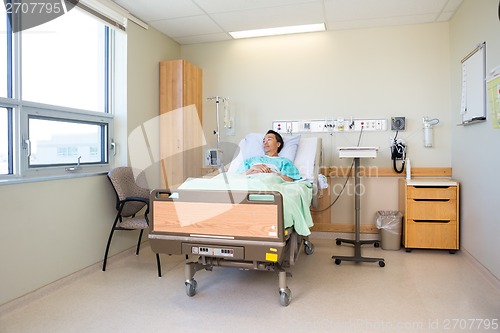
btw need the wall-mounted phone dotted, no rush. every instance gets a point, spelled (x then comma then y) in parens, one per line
(398, 153)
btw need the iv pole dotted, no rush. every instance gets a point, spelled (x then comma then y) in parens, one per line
(217, 100)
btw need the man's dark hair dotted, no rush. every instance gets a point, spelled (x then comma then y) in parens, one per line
(278, 138)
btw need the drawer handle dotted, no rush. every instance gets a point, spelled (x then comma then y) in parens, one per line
(443, 187)
(432, 221)
(433, 200)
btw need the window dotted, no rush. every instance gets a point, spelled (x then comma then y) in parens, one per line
(67, 143)
(75, 66)
(57, 96)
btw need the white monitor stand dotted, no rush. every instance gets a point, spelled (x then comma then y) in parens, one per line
(357, 153)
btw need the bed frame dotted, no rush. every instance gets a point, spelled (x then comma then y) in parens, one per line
(238, 229)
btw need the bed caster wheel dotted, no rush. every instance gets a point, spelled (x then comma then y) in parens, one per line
(376, 244)
(452, 251)
(309, 248)
(338, 242)
(191, 287)
(338, 261)
(285, 297)
(381, 263)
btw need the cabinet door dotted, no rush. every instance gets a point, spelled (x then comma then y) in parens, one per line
(181, 135)
(171, 148)
(192, 121)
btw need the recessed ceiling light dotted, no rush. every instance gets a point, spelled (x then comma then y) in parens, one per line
(295, 29)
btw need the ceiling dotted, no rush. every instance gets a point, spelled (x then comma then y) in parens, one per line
(202, 21)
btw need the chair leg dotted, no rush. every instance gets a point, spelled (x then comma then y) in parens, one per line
(107, 248)
(139, 243)
(158, 264)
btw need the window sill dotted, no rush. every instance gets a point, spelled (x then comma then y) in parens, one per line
(22, 180)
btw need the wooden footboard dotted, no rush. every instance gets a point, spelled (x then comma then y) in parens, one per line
(247, 225)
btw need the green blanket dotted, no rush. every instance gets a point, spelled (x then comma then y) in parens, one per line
(297, 195)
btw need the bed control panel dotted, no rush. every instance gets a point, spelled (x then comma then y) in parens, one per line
(214, 251)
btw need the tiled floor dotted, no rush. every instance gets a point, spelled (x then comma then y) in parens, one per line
(421, 291)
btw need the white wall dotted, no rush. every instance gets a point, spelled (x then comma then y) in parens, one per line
(383, 72)
(396, 71)
(475, 148)
(52, 229)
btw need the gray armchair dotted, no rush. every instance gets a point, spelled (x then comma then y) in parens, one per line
(132, 196)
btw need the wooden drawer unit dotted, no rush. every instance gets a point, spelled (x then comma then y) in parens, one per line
(430, 213)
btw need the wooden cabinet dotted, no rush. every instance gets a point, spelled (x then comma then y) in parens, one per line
(181, 135)
(430, 209)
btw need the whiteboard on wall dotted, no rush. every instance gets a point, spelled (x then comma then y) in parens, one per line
(473, 106)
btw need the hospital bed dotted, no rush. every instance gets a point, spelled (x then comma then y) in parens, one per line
(231, 220)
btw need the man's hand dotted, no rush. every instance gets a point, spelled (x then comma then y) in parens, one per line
(259, 168)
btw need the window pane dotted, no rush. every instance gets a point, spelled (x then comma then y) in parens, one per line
(57, 142)
(63, 62)
(3, 50)
(4, 141)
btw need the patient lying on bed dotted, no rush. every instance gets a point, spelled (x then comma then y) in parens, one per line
(271, 162)
(296, 190)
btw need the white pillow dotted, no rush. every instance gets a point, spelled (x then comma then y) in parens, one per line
(252, 146)
(307, 155)
(237, 159)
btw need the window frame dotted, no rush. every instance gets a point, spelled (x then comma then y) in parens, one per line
(20, 112)
(31, 109)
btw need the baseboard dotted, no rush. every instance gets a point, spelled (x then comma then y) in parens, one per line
(36, 294)
(495, 282)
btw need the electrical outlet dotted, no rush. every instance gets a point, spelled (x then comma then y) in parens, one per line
(369, 124)
(398, 123)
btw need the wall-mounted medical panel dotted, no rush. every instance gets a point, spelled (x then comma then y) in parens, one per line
(330, 125)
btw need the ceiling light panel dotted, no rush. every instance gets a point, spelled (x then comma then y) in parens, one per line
(279, 31)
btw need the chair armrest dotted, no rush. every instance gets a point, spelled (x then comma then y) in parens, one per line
(141, 199)
(136, 199)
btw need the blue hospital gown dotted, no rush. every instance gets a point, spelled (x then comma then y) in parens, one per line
(282, 165)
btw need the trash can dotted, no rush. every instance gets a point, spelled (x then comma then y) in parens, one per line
(390, 223)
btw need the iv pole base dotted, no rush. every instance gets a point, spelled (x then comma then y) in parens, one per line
(357, 257)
